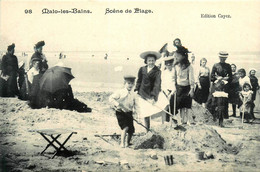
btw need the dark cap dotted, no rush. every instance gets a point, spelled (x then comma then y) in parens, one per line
(39, 44)
(10, 47)
(129, 78)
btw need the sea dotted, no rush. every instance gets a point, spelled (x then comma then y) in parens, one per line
(104, 71)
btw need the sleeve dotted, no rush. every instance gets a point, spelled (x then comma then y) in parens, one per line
(173, 80)
(241, 96)
(191, 77)
(30, 76)
(249, 98)
(4, 65)
(157, 85)
(197, 76)
(136, 105)
(229, 70)
(113, 99)
(213, 75)
(16, 64)
(139, 80)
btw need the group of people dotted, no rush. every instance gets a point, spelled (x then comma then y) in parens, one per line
(176, 78)
(16, 81)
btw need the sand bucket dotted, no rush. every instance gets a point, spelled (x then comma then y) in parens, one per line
(168, 160)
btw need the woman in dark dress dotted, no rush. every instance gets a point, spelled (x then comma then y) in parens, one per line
(221, 76)
(233, 96)
(203, 83)
(40, 56)
(148, 84)
(255, 87)
(10, 70)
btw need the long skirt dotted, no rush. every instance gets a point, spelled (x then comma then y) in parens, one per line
(233, 95)
(201, 95)
(183, 99)
(221, 107)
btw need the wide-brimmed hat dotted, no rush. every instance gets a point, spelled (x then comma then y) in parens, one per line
(154, 53)
(223, 54)
(10, 47)
(129, 78)
(39, 44)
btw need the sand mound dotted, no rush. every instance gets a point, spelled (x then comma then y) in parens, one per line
(195, 138)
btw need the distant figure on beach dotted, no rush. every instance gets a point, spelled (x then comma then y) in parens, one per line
(39, 55)
(184, 85)
(202, 83)
(221, 76)
(9, 73)
(148, 84)
(124, 102)
(233, 96)
(247, 102)
(106, 56)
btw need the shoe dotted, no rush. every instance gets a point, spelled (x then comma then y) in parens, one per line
(234, 115)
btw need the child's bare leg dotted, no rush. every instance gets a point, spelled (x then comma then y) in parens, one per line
(128, 138)
(123, 135)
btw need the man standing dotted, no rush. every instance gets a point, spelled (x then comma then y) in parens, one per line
(39, 55)
(9, 71)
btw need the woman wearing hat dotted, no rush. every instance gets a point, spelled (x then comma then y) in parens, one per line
(184, 84)
(148, 84)
(39, 55)
(10, 71)
(221, 76)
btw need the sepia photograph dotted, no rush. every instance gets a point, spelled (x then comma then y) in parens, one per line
(104, 85)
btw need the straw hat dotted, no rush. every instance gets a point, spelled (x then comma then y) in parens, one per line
(155, 53)
(223, 54)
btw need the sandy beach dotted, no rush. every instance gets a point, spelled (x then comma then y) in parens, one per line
(233, 148)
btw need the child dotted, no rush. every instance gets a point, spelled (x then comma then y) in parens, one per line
(168, 85)
(184, 85)
(124, 102)
(246, 97)
(35, 70)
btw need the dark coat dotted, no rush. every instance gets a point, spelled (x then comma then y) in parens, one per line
(148, 85)
(255, 85)
(224, 70)
(10, 68)
(9, 64)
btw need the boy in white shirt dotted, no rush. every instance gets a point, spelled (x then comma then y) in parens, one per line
(124, 102)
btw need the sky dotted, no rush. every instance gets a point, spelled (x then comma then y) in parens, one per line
(131, 33)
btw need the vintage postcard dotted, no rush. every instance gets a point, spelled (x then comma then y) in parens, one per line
(129, 85)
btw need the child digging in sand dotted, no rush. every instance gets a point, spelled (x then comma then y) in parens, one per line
(124, 102)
